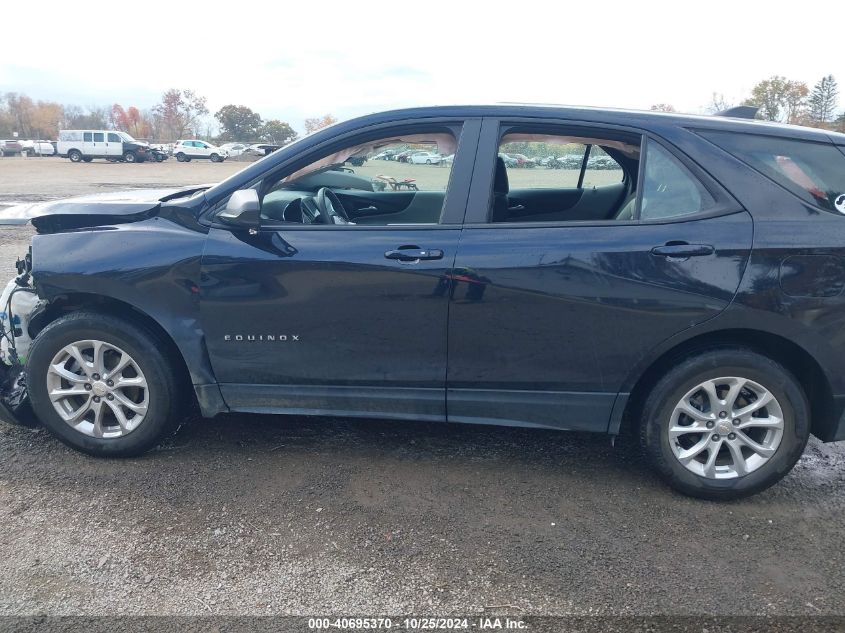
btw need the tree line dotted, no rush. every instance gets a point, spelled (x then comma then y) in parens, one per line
(180, 113)
(787, 101)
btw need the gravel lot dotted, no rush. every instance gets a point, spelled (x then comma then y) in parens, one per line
(248, 514)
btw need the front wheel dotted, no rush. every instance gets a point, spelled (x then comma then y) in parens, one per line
(130, 157)
(725, 424)
(215, 158)
(180, 157)
(100, 385)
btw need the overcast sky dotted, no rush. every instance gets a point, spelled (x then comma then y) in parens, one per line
(294, 60)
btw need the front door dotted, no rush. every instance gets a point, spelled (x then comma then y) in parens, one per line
(574, 271)
(114, 145)
(335, 315)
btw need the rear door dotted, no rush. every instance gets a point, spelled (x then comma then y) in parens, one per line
(98, 144)
(550, 315)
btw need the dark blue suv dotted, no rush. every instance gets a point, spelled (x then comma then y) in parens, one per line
(681, 276)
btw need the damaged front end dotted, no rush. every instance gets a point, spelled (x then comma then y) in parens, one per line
(18, 302)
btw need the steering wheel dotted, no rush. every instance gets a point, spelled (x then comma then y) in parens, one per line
(330, 207)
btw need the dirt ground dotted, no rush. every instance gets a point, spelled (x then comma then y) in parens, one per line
(248, 514)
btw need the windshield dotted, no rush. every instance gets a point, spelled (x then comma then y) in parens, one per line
(126, 137)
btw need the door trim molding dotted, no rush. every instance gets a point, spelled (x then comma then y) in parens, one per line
(403, 403)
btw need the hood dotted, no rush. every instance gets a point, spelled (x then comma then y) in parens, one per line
(93, 210)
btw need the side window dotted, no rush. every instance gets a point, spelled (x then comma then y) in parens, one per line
(669, 189)
(86, 137)
(542, 177)
(394, 180)
(114, 138)
(99, 137)
(602, 169)
(815, 172)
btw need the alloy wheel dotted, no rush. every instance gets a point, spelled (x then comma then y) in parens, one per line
(726, 428)
(98, 389)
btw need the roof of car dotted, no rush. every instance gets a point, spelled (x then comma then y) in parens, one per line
(616, 116)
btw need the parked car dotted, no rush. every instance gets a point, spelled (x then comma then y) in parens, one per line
(261, 149)
(425, 158)
(86, 145)
(388, 154)
(509, 161)
(566, 161)
(402, 157)
(233, 149)
(695, 303)
(188, 149)
(10, 148)
(37, 148)
(523, 161)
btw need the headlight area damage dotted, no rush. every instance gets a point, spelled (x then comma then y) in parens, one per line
(18, 303)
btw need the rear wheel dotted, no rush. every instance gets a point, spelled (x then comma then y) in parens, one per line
(100, 384)
(725, 424)
(74, 155)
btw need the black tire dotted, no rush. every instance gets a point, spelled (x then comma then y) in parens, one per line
(74, 155)
(130, 157)
(215, 158)
(142, 345)
(684, 376)
(159, 158)
(181, 157)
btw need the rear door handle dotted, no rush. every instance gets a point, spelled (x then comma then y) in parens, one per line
(414, 254)
(681, 250)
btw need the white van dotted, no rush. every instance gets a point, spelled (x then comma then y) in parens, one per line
(86, 145)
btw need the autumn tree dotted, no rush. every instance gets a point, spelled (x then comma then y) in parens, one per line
(822, 101)
(138, 126)
(276, 132)
(663, 107)
(46, 120)
(318, 123)
(119, 120)
(179, 112)
(238, 123)
(779, 99)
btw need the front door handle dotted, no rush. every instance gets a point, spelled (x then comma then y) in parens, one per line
(680, 250)
(414, 254)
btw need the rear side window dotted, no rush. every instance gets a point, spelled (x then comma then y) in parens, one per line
(815, 172)
(669, 189)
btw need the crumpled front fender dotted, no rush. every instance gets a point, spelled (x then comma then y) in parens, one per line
(15, 407)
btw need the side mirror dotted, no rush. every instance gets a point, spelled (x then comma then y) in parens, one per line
(243, 210)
